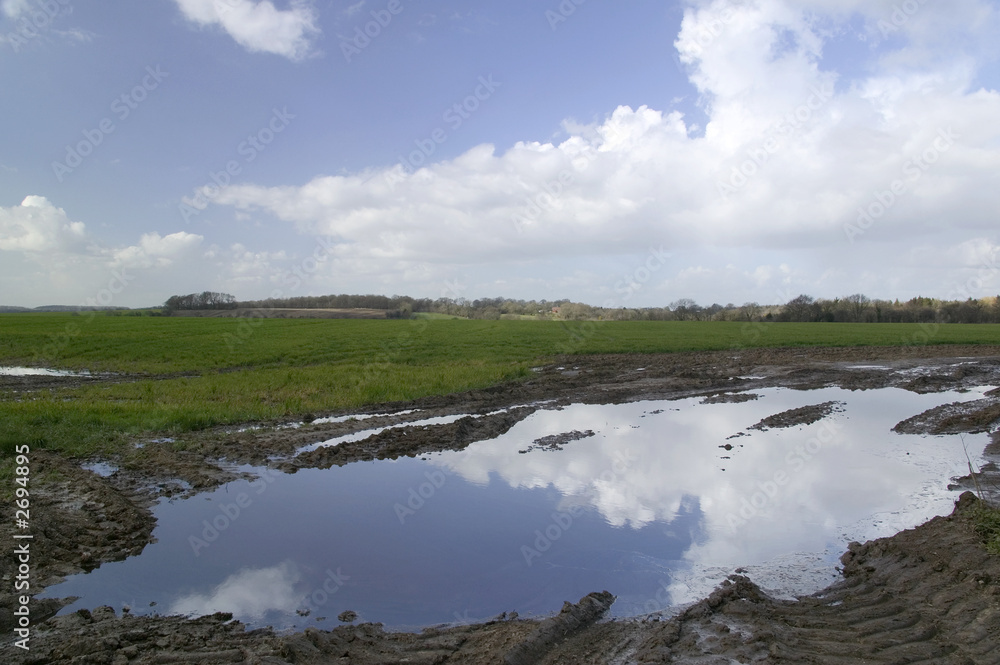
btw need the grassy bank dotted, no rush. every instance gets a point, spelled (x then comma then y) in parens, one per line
(201, 372)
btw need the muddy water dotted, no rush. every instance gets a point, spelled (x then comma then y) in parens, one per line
(642, 499)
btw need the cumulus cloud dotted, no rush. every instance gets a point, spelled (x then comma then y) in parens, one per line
(156, 250)
(38, 226)
(259, 26)
(794, 156)
(48, 257)
(15, 8)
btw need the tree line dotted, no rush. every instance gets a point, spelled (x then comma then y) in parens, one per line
(856, 308)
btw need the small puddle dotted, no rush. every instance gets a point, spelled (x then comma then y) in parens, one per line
(102, 469)
(39, 371)
(652, 507)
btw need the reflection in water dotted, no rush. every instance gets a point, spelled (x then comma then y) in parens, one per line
(251, 593)
(662, 503)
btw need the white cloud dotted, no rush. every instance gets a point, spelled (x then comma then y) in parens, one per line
(38, 226)
(46, 257)
(825, 147)
(259, 26)
(13, 9)
(156, 250)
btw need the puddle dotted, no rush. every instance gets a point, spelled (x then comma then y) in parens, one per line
(364, 416)
(102, 469)
(38, 371)
(652, 507)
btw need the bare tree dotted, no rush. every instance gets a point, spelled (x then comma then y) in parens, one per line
(857, 304)
(801, 308)
(750, 311)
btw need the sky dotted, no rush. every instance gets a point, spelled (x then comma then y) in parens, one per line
(623, 154)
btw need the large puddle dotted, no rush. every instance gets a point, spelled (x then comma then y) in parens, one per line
(651, 506)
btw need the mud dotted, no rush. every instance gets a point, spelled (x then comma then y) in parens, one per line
(557, 441)
(805, 415)
(204, 459)
(980, 415)
(927, 594)
(410, 441)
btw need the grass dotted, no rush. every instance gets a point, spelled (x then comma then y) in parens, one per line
(202, 372)
(987, 524)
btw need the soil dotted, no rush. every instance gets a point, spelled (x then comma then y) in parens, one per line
(557, 441)
(804, 415)
(930, 594)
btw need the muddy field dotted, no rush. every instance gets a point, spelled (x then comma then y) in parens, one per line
(931, 594)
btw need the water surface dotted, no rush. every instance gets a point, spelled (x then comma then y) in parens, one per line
(651, 507)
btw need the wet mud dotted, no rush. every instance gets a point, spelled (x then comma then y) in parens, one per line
(931, 594)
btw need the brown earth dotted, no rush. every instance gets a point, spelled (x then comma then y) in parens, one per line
(931, 594)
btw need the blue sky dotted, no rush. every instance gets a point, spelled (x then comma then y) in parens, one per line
(626, 154)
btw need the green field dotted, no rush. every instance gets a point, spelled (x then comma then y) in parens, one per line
(201, 372)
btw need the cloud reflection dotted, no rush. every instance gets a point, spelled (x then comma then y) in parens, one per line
(795, 489)
(250, 593)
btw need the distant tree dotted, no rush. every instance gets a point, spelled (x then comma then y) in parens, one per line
(203, 300)
(685, 309)
(750, 311)
(857, 306)
(800, 308)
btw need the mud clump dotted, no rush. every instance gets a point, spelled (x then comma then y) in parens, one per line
(556, 441)
(730, 398)
(805, 415)
(971, 417)
(410, 441)
(572, 619)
